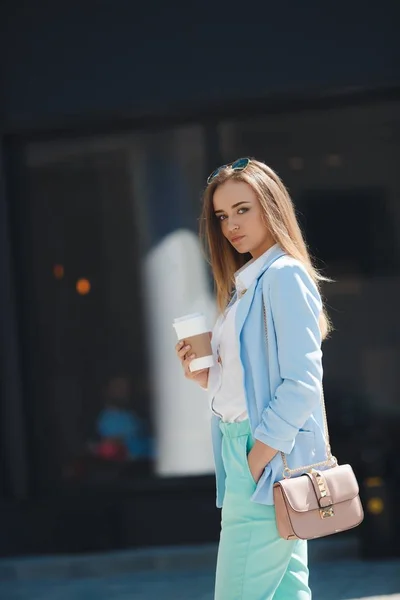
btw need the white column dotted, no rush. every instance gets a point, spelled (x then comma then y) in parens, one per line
(175, 284)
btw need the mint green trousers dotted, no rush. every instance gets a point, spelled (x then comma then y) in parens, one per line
(253, 563)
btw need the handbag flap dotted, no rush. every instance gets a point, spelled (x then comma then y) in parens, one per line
(300, 494)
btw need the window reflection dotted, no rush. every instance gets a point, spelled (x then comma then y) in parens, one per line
(106, 401)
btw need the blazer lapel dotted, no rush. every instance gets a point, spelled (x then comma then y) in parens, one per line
(247, 298)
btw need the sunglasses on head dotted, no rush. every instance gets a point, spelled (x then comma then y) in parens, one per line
(238, 165)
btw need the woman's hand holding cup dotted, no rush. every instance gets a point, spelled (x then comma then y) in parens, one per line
(194, 347)
(186, 356)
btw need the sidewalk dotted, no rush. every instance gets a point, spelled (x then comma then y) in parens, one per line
(186, 573)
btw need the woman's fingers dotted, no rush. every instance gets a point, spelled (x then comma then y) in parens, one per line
(182, 350)
(186, 356)
(188, 359)
(184, 353)
(186, 365)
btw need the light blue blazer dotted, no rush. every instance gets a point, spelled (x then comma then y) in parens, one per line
(282, 373)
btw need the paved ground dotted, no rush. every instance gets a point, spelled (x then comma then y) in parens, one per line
(185, 574)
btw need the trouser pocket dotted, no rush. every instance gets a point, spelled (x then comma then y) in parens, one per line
(248, 443)
(234, 454)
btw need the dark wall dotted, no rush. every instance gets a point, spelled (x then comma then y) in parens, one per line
(91, 58)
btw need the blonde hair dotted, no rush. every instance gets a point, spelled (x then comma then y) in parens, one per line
(280, 218)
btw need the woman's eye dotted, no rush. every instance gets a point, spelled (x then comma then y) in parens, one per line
(240, 211)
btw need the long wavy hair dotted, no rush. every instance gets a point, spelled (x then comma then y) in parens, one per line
(280, 218)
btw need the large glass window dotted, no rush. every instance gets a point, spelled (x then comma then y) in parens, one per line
(113, 255)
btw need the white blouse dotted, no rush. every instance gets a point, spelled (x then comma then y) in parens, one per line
(225, 380)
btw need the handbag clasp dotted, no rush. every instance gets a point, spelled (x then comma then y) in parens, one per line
(327, 512)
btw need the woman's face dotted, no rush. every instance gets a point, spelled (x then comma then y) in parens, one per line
(237, 208)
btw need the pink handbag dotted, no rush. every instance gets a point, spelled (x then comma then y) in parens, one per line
(318, 502)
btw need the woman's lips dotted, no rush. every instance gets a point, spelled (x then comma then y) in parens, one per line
(237, 239)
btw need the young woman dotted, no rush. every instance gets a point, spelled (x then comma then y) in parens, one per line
(265, 388)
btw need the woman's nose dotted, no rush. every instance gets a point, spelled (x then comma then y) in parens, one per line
(232, 225)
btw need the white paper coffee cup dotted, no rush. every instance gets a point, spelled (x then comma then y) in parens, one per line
(188, 328)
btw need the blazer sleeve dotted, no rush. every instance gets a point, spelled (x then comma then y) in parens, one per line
(295, 304)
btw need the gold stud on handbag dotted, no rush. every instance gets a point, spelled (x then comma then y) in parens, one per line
(318, 502)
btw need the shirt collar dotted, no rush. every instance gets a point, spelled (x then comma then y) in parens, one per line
(245, 276)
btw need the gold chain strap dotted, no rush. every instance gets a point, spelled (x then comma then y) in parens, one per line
(331, 460)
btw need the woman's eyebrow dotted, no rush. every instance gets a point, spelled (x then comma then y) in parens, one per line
(233, 206)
